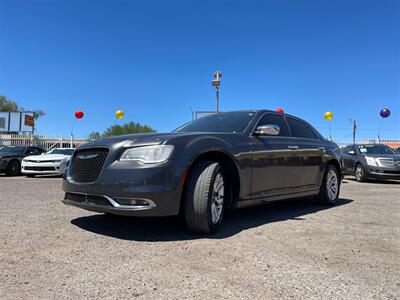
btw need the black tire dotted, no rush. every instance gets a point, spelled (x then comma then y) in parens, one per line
(199, 197)
(13, 168)
(359, 173)
(325, 196)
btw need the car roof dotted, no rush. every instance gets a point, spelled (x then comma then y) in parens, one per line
(263, 111)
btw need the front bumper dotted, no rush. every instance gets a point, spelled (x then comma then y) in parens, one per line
(43, 168)
(382, 172)
(125, 188)
(108, 204)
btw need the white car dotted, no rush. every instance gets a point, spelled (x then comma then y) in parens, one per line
(55, 161)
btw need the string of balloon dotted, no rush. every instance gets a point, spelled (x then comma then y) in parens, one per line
(328, 116)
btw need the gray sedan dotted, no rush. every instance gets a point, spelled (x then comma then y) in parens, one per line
(371, 161)
(223, 161)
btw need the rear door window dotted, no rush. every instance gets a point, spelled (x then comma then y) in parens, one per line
(300, 129)
(271, 119)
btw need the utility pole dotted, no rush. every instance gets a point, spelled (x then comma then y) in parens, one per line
(354, 129)
(216, 83)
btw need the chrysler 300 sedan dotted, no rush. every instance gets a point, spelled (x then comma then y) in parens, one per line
(223, 161)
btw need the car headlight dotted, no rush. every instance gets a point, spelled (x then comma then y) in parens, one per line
(371, 161)
(148, 154)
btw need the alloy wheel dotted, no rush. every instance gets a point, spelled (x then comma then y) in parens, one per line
(217, 201)
(332, 184)
(359, 173)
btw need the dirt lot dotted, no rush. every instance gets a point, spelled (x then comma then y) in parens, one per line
(295, 249)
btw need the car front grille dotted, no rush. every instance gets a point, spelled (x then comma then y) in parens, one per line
(387, 162)
(42, 161)
(39, 168)
(87, 164)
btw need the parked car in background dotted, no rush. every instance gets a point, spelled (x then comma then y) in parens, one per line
(55, 161)
(225, 160)
(371, 161)
(398, 150)
(11, 157)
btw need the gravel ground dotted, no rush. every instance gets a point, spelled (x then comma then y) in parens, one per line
(292, 249)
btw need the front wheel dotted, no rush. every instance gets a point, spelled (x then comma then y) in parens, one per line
(13, 168)
(330, 188)
(360, 175)
(204, 197)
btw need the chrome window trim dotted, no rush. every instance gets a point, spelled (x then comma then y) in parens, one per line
(270, 136)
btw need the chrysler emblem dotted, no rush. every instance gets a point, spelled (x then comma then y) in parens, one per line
(87, 156)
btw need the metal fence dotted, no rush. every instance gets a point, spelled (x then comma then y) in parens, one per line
(391, 143)
(63, 142)
(45, 142)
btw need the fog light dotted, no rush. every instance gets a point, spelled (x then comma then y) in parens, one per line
(133, 202)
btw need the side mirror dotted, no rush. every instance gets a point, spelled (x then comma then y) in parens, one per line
(270, 129)
(351, 152)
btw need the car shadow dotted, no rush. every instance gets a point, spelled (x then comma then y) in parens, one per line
(174, 229)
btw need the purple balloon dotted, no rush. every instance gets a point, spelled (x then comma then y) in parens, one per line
(385, 112)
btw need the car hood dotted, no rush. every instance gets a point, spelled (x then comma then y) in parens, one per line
(136, 139)
(47, 157)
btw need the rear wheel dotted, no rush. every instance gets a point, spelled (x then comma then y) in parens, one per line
(13, 168)
(330, 188)
(205, 197)
(360, 175)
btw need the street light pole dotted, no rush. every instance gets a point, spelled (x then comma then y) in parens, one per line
(354, 129)
(216, 83)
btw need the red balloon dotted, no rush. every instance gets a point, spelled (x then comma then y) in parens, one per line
(79, 114)
(280, 110)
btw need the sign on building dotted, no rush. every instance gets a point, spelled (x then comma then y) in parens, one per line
(17, 121)
(29, 121)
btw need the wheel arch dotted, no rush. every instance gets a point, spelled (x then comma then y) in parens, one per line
(229, 165)
(338, 167)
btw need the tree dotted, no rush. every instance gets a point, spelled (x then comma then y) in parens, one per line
(127, 128)
(9, 105)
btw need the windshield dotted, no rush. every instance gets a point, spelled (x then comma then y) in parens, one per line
(375, 149)
(223, 122)
(13, 149)
(61, 151)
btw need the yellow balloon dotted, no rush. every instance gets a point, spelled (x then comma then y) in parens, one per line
(119, 114)
(328, 115)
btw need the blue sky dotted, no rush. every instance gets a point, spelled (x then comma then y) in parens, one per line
(153, 59)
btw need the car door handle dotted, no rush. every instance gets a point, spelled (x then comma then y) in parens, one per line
(293, 147)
